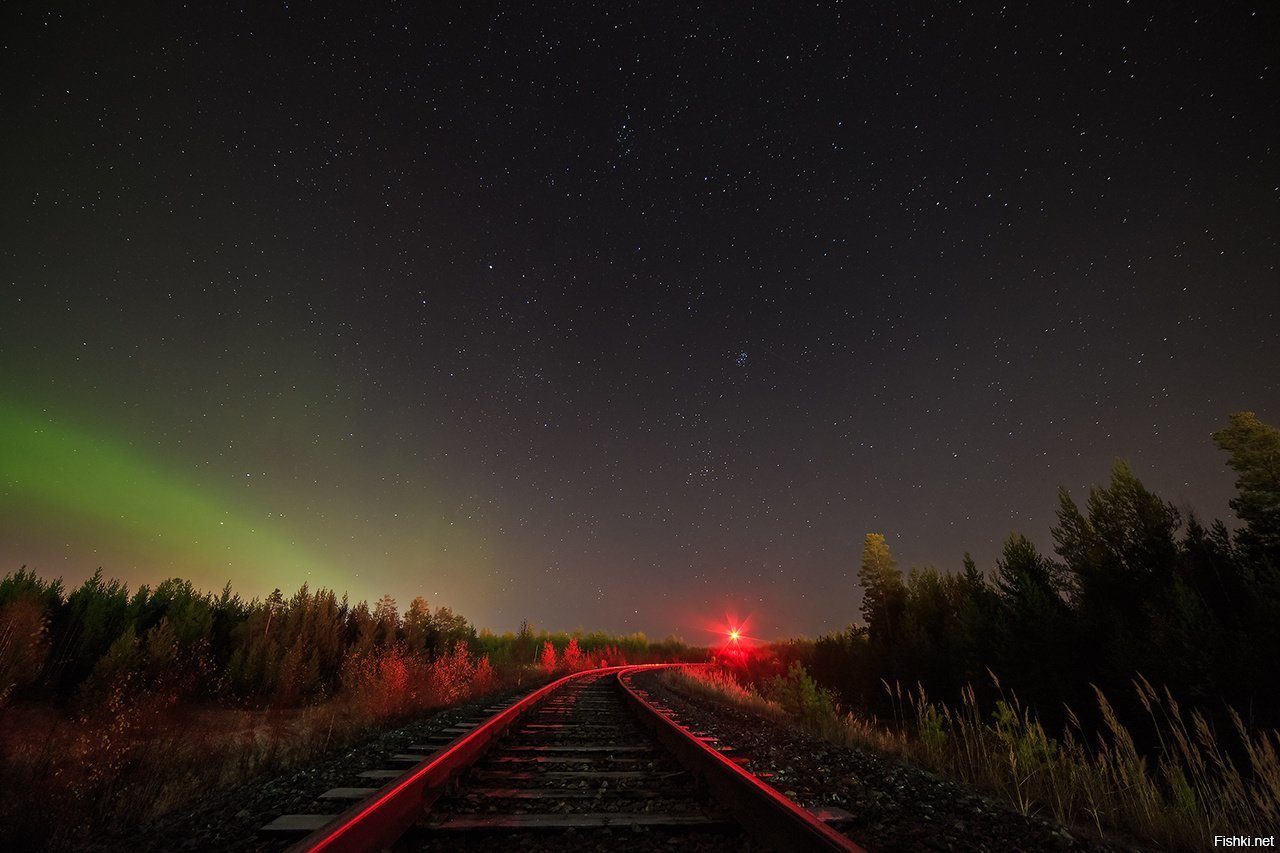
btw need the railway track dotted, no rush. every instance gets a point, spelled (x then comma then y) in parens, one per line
(588, 762)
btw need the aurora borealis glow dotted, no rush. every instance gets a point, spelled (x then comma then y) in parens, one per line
(605, 317)
(61, 481)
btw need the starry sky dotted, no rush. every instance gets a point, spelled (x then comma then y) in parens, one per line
(622, 315)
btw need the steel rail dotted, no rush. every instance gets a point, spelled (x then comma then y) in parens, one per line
(764, 812)
(376, 823)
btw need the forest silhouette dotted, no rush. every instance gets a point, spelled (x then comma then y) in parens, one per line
(1136, 590)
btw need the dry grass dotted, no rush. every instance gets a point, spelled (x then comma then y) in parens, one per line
(134, 760)
(1190, 790)
(137, 754)
(718, 685)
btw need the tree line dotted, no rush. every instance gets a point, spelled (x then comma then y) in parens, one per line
(1133, 588)
(72, 646)
(79, 647)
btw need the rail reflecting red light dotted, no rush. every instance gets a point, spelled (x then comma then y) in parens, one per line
(376, 823)
(762, 809)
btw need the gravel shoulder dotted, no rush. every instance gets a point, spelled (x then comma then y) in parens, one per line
(896, 807)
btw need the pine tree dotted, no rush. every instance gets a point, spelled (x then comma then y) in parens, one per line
(883, 593)
(1122, 559)
(1255, 457)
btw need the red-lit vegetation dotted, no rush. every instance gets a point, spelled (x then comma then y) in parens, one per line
(117, 707)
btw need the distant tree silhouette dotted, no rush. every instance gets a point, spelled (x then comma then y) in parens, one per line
(417, 625)
(1035, 639)
(883, 593)
(387, 617)
(95, 615)
(447, 630)
(522, 648)
(976, 621)
(928, 629)
(1136, 591)
(847, 663)
(1254, 449)
(1121, 557)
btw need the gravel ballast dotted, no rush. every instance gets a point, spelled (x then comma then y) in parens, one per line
(895, 807)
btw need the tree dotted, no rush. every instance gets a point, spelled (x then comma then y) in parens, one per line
(846, 662)
(1123, 548)
(1122, 560)
(228, 613)
(485, 679)
(115, 670)
(417, 625)
(387, 617)
(1033, 638)
(362, 629)
(274, 605)
(975, 606)
(1029, 585)
(522, 649)
(883, 593)
(94, 617)
(25, 583)
(1255, 457)
(927, 629)
(573, 655)
(160, 651)
(447, 629)
(547, 660)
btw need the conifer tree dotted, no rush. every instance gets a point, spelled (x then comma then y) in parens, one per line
(1255, 457)
(883, 593)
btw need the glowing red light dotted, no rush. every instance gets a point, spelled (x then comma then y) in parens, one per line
(735, 646)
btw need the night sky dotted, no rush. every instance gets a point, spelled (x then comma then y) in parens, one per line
(620, 316)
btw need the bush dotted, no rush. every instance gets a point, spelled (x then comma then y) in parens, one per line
(801, 697)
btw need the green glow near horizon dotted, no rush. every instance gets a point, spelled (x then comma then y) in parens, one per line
(52, 474)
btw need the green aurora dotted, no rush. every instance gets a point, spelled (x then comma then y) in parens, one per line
(58, 478)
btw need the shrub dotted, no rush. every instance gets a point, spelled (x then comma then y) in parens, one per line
(801, 697)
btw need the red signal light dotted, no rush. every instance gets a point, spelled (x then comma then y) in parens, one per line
(734, 632)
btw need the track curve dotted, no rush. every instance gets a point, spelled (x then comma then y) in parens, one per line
(587, 755)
